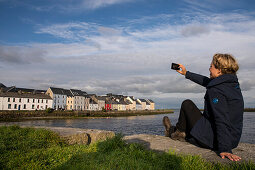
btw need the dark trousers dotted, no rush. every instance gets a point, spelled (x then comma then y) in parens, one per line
(189, 115)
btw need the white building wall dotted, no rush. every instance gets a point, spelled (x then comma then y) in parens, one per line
(12, 103)
(147, 107)
(79, 102)
(93, 107)
(59, 101)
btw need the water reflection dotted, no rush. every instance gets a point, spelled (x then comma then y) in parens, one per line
(151, 124)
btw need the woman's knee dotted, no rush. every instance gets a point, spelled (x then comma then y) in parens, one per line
(187, 103)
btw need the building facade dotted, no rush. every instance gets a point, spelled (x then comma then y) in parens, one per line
(16, 101)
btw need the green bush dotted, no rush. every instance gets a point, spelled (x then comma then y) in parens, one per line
(49, 110)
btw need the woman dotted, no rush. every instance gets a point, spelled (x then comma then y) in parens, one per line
(220, 126)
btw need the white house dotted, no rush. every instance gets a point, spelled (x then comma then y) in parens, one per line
(131, 99)
(24, 101)
(78, 99)
(59, 97)
(93, 105)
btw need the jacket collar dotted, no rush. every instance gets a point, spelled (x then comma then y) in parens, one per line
(225, 78)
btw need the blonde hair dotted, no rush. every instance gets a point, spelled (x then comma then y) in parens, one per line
(226, 63)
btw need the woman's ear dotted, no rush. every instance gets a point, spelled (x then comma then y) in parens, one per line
(219, 72)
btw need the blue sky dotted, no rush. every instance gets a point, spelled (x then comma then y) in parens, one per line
(124, 46)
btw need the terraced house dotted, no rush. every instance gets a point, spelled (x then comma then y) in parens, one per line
(12, 98)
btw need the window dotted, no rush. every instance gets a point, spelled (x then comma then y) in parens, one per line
(28, 100)
(46, 107)
(38, 101)
(33, 106)
(15, 106)
(20, 100)
(46, 101)
(9, 106)
(42, 100)
(9, 99)
(33, 100)
(13, 100)
(24, 106)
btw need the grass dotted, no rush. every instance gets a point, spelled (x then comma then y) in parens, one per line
(26, 148)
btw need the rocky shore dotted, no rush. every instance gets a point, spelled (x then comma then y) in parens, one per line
(24, 115)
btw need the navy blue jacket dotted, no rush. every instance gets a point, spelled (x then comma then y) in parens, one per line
(221, 125)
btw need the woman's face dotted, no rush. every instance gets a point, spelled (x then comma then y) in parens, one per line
(214, 72)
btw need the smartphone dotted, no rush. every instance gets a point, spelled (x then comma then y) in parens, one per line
(175, 66)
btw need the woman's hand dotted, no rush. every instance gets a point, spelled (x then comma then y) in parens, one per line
(230, 156)
(183, 70)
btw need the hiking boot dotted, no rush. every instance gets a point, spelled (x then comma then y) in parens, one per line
(167, 124)
(178, 135)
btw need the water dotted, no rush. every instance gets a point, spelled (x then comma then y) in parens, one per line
(134, 124)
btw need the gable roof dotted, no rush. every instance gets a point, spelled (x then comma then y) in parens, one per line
(2, 85)
(76, 92)
(23, 90)
(25, 95)
(150, 101)
(142, 100)
(60, 91)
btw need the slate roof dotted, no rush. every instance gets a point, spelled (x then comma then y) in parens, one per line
(123, 102)
(142, 100)
(60, 91)
(2, 85)
(150, 101)
(128, 102)
(25, 95)
(91, 101)
(76, 92)
(23, 90)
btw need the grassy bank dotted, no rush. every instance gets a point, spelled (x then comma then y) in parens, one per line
(16, 115)
(249, 109)
(26, 148)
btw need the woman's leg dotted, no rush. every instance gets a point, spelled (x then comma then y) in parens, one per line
(189, 115)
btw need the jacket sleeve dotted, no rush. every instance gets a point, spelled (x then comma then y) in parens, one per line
(197, 78)
(220, 114)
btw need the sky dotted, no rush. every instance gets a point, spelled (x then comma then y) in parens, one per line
(125, 46)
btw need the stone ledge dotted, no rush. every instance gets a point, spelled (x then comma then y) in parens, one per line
(165, 144)
(79, 136)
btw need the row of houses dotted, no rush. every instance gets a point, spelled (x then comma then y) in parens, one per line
(13, 98)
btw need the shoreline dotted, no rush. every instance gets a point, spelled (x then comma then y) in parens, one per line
(8, 116)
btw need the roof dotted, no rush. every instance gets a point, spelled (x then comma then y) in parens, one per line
(123, 102)
(150, 101)
(25, 95)
(91, 101)
(128, 102)
(142, 100)
(76, 92)
(23, 90)
(147, 103)
(2, 85)
(60, 91)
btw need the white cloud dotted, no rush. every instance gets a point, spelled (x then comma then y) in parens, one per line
(118, 59)
(94, 4)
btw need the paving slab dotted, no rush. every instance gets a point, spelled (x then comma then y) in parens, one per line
(165, 144)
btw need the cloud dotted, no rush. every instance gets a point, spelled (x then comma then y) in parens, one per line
(94, 4)
(21, 55)
(68, 6)
(128, 60)
(194, 30)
